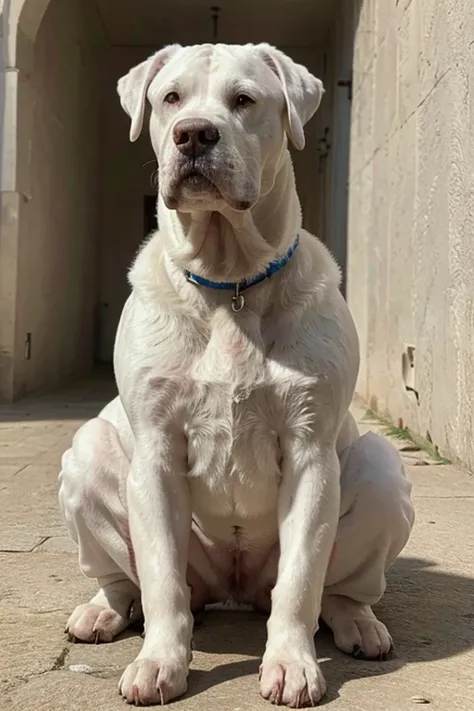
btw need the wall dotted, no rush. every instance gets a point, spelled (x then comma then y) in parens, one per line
(59, 182)
(411, 248)
(127, 178)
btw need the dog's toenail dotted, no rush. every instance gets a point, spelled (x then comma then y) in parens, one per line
(358, 652)
(387, 656)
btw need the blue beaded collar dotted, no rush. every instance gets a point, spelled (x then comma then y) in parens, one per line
(238, 287)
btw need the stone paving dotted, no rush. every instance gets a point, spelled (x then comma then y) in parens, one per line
(429, 605)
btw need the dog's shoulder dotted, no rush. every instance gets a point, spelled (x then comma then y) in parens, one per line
(315, 340)
(310, 303)
(319, 270)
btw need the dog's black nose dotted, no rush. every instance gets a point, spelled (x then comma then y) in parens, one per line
(194, 137)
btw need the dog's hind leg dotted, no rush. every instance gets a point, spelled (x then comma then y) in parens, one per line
(92, 501)
(376, 520)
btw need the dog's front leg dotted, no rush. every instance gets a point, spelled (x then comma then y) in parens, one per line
(160, 523)
(308, 516)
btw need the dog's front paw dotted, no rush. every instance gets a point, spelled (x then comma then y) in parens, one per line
(151, 681)
(291, 680)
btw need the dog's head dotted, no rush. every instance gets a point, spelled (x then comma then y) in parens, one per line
(219, 115)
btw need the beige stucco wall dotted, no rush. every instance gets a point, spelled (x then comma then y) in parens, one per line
(58, 179)
(411, 245)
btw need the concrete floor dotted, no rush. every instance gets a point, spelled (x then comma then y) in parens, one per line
(429, 605)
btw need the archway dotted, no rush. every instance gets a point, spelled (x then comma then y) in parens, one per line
(19, 20)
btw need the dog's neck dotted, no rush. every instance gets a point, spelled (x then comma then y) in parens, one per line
(231, 245)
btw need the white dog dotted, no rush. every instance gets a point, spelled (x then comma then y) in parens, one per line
(229, 467)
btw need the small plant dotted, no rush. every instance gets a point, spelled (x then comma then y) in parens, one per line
(403, 433)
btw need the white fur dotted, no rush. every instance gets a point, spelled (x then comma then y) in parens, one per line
(232, 422)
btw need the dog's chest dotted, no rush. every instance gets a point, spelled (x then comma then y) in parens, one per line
(230, 400)
(233, 449)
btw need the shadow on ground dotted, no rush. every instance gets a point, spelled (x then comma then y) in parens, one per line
(429, 613)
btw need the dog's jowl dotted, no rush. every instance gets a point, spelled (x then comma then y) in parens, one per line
(229, 466)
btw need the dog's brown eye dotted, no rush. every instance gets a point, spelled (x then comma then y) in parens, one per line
(171, 98)
(243, 100)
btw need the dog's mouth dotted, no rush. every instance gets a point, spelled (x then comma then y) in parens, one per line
(201, 182)
(197, 181)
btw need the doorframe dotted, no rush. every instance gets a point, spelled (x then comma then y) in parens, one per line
(341, 136)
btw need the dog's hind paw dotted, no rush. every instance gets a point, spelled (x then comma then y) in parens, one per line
(95, 623)
(356, 629)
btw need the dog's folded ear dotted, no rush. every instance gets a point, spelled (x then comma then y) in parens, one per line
(132, 88)
(302, 91)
